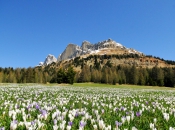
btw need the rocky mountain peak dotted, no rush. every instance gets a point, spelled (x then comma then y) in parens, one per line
(73, 50)
(86, 46)
(108, 46)
(50, 59)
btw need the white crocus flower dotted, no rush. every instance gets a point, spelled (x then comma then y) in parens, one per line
(86, 116)
(55, 127)
(128, 118)
(14, 116)
(54, 115)
(132, 116)
(10, 113)
(21, 124)
(155, 120)
(27, 124)
(166, 116)
(68, 127)
(123, 119)
(13, 125)
(30, 128)
(101, 124)
(134, 128)
(171, 128)
(3, 113)
(92, 121)
(40, 124)
(109, 127)
(151, 125)
(95, 127)
(64, 114)
(62, 126)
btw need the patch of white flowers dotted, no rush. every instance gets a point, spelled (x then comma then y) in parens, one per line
(77, 108)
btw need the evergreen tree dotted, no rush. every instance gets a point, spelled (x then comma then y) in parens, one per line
(85, 75)
(36, 80)
(29, 75)
(122, 77)
(141, 79)
(110, 76)
(115, 76)
(157, 76)
(1, 77)
(46, 77)
(18, 75)
(160, 77)
(134, 75)
(70, 75)
(11, 77)
(40, 77)
(105, 74)
(96, 63)
(145, 75)
(61, 76)
(169, 77)
(95, 76)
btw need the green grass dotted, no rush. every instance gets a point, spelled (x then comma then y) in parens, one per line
(92, 85)
(119, 86)
(125, 86)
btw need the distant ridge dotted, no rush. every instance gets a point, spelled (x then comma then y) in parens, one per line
(101, 48)
(122, 54)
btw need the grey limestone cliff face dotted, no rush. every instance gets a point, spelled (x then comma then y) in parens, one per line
(71, 51)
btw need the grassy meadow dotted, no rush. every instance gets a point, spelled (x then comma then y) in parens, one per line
(86, 106)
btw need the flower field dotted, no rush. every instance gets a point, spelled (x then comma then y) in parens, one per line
(40, 107)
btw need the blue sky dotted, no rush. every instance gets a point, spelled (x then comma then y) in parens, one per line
(32, 29)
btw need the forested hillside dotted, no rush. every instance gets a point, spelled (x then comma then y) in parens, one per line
(98, 69)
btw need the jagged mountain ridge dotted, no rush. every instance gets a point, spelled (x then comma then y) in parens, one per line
(119, 53)
(73, 50)
(87, 48)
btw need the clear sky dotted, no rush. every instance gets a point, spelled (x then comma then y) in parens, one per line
(32, 29)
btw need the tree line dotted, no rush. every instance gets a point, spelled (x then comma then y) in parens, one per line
(107, 74)
(37, 75)
(128, 75)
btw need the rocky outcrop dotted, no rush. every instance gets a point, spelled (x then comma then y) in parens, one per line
(71, 51)
(86, 47)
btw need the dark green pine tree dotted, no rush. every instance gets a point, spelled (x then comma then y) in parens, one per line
(85, 75)
(60, 76)
(160, 77)
(134, 78)
(70, 75)
(169, 77)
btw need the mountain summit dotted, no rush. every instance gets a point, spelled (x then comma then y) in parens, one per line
(104, 47)
(107, 52)
(101, 48)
